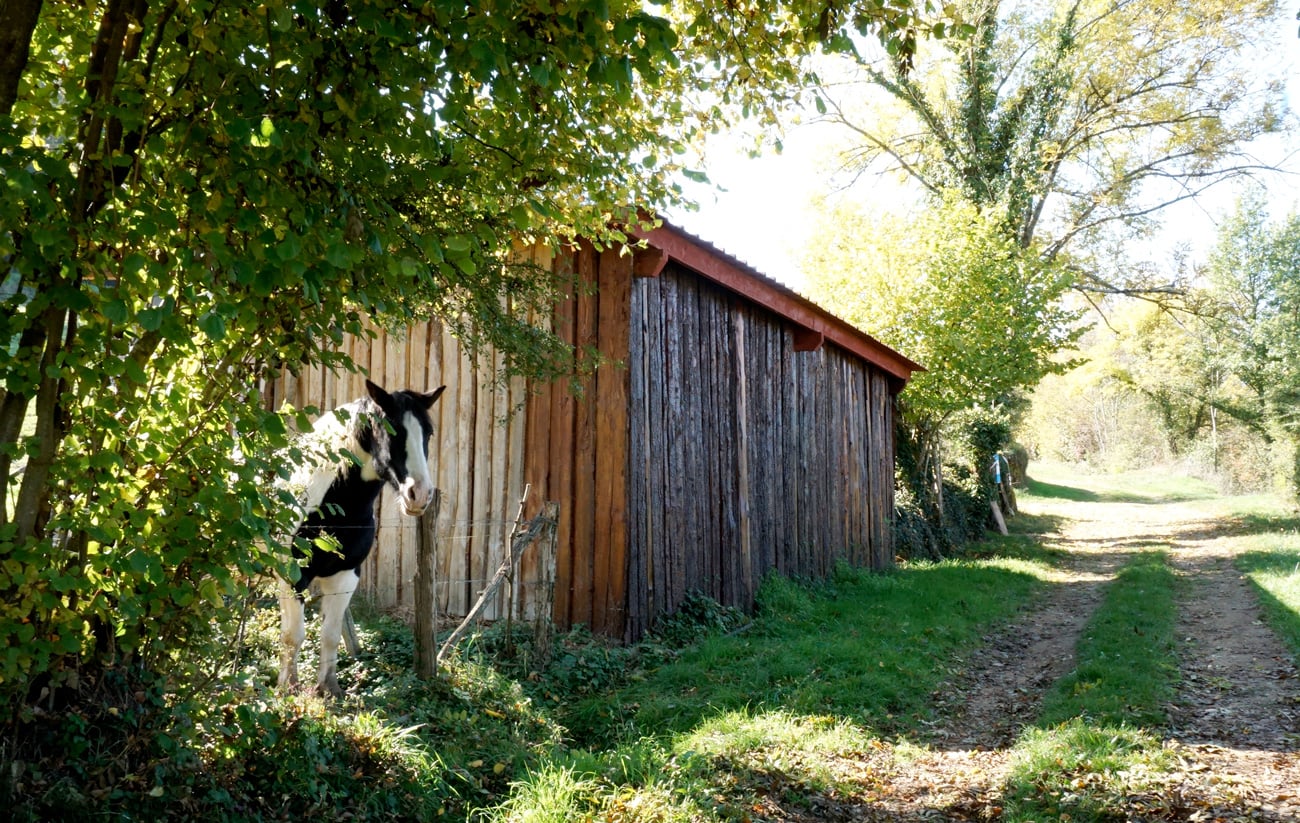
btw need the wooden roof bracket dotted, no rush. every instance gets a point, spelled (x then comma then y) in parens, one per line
(806, 339)
(648, 261)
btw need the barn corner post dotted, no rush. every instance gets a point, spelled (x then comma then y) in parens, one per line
(426, 601)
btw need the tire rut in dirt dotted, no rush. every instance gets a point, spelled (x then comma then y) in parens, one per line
(1006, 679)
(1238, 704)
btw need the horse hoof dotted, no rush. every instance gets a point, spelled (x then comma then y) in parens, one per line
(329, 688)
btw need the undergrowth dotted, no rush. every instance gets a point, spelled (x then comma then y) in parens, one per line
(715, 716)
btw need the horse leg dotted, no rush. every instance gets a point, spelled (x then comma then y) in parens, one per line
(336, 593)
(292, 633)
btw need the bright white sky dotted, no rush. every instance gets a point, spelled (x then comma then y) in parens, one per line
(760, 210)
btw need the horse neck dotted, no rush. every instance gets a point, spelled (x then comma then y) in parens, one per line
(323, 459)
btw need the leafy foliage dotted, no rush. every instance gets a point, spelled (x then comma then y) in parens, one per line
(951, 291)
(1075, 121)
(1216, 386)
(1256, 327)
(199, 195)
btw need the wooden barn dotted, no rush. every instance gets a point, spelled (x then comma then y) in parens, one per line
(737, 430)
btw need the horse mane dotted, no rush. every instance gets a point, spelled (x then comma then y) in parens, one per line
(328, 450)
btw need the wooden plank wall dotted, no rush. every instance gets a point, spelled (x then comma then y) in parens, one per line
(745, 455)
(704, 454)
(577, 447)
(476, 457)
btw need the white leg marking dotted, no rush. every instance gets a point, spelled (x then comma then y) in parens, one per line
(336, 593)
(292, 632)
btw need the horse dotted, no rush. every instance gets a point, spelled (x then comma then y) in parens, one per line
(342, 464)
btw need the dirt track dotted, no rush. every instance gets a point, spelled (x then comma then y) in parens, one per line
(1235, 724)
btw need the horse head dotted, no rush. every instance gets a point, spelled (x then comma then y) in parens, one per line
(399, 446)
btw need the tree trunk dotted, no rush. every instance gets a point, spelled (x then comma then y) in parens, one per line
(17, 23)
(30, 507)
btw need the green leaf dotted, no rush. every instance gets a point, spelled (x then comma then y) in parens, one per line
(152, 319)
(187, 528)
(116, 310)
(213, 325)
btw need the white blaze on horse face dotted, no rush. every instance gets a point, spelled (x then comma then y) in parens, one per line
(417, 489)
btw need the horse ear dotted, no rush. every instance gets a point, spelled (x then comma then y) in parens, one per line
(383, 398)
(429, 398)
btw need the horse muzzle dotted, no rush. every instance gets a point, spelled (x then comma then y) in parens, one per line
(415, 498)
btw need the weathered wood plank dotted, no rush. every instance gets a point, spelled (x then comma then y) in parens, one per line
(612, 397)
(480, 548)
(460, 588)
(584, 480)
(676, 469)
(560, 456)
(696, 477)
(745, 593)
(657, 436)
(637, 466)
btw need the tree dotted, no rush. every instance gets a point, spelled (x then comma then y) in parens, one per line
(1078, 121)
(1170, 361)
(199, 194)
(953, 292)
(1255, 321)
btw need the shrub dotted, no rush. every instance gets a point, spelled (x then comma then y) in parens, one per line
(922, 531)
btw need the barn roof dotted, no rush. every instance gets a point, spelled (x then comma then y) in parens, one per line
(814, 325)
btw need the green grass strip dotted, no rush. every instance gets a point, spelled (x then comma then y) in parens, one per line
(1084, 773)
(1127, 667)
(788, 708)
(1088, 757)
(1276, 577)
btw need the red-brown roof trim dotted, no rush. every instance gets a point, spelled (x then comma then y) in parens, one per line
(814, 324)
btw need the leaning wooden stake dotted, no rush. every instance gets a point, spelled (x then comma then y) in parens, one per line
(350, 641)
(510, 572)
(426, 599)
(536, 527)
(997, 517)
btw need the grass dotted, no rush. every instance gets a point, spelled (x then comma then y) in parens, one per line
(1127, 667)
(679, 728)
(1055, 481)
(1087, 755)
(781, 714)
(1267, 536)
(867, 647)
(1275, 575)
(808, 706)
(1081, 771)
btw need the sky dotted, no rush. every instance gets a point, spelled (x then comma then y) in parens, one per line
(760, 210)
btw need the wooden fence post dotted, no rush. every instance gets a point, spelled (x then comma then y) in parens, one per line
(426, 598)
(544, 602)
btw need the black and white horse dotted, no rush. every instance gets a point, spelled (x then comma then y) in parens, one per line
(347, 458)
